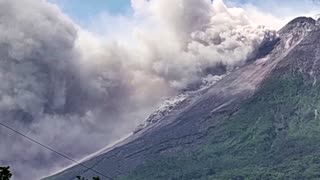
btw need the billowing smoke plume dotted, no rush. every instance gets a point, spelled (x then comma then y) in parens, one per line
(184, 42)
(65, 87)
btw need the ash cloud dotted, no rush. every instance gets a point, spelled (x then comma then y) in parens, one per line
(192, 37)
(74, 91)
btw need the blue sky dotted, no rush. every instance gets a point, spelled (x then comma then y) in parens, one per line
(83, 11)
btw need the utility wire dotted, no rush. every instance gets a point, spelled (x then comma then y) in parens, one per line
(52, 150)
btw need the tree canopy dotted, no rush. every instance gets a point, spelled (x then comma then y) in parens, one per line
(5, 173)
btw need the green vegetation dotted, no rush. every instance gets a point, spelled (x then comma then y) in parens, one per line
(5, 173)
(274, 135)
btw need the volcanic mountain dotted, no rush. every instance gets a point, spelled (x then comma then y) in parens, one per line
(260, 121)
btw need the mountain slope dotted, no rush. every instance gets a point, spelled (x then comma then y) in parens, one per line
(260, 121)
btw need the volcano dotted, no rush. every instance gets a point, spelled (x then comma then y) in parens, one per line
(260, 121)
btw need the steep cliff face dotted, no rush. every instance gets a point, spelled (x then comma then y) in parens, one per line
(259, 121)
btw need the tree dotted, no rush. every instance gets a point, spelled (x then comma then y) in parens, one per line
(82, 178)
(5, 173)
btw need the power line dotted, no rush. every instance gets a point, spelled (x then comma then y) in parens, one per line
(52, 150)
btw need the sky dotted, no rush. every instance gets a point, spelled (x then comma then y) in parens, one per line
(83, 11)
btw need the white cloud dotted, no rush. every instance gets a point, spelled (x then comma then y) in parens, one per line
(276, 13)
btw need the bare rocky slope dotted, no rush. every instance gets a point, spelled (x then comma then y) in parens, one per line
(258, 122)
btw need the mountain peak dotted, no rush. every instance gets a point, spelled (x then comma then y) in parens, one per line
(303, 19)
(299, 24)
(318, 22)
(296, 30)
